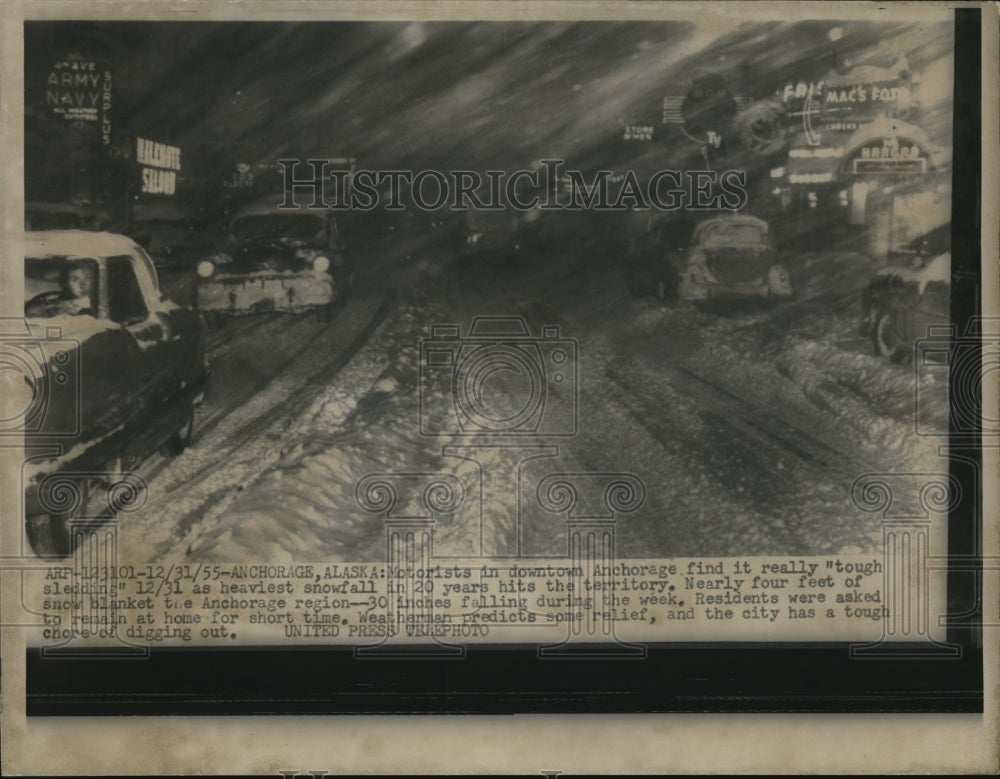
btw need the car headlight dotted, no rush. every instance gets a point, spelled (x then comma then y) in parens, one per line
(321, 264)
(206, 268)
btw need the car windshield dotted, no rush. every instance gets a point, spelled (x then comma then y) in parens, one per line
(274, 227)
(732, 235)
(935, 242)
(59, 286)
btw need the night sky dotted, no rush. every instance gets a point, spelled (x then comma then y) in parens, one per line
(432, 94)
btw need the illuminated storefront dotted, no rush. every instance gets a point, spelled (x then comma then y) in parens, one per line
(859, 167)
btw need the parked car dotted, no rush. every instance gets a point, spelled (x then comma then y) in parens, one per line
(40, 215)
(908, 295)
(275, 260)
(730, 258)
(113, 372)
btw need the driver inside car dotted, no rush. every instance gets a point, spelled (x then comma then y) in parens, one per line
(76, 283)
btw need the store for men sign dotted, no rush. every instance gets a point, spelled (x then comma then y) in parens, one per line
(159, 164)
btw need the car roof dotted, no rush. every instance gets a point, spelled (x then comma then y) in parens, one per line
(729, 220)
(739, 219)
(76, 243)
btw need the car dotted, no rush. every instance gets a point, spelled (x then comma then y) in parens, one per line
(731, 258)
(275, 259)
(113, 371)
(909, 295)
(652, 263)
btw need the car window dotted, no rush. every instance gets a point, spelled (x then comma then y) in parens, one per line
(931, 244)
(732, 235)
(126, 304)
(57, 285)
(145, 273)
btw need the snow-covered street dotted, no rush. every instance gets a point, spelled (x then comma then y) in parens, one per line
(747, 426)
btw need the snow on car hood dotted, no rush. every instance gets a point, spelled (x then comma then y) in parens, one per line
(936, 270)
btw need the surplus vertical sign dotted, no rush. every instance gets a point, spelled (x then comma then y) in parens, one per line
(158, 166)
(79, 90)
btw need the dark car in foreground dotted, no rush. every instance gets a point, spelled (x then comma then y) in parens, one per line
(909, 295)
(276, 259)
(112, 372)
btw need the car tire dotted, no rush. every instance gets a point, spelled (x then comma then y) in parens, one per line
(181, 438)
(50, 535)
(886, 338)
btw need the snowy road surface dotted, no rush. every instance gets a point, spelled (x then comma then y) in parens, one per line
(747, 426)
